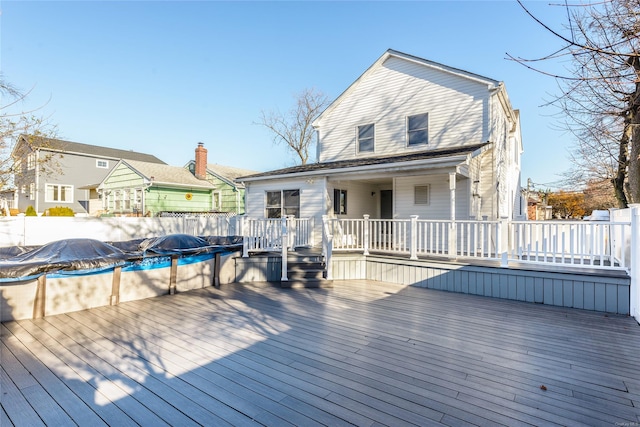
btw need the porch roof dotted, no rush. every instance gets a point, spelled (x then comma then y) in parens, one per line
(441, 155)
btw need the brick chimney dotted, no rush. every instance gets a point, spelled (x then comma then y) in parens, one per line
(201, 162)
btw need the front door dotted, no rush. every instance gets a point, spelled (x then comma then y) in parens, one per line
(386, 204)
(385, 232)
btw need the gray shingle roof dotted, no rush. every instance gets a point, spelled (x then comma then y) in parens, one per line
(345, 164)
(166, 174)
(229, 172)
(91, 150)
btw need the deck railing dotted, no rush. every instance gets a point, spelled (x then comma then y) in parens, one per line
(602, 244)
(589, 244)
(266, 234)
(579, 243)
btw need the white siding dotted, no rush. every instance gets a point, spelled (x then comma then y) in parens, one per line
(360, 201)
(457, 108)
(311, 196)
(439, 206)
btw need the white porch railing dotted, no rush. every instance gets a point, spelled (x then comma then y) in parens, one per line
(601, 245)
(266, 234)
(579, 243)
(575, 243)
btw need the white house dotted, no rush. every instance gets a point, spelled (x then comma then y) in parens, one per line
(408, 137)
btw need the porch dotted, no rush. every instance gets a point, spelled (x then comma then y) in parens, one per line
(362, 353)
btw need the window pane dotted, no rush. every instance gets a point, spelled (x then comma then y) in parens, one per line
(418, 137)
(365, 131)
(292, 202)
(273, 199)
(292, 198)
(273, 213)
(418, 122)
(365, 145)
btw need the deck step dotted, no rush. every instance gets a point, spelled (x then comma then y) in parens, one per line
(307, 284)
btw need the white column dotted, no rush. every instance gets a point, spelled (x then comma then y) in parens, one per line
(634, 303)
(453, 238)
(285, 236)
(452, 194)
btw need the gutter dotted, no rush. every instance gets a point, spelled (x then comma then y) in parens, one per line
(410, 165)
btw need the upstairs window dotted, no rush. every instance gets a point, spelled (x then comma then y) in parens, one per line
(102, 164)
(418, 129)
(339, 202)
(31, 161)
(366, 138)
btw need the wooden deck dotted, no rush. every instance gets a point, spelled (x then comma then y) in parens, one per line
(362, 353)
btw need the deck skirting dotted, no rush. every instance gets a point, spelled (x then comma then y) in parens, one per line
(604, 292)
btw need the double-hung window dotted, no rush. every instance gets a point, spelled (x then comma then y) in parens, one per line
(418, 129)
(102, 164)
(31, 161)
(366, 138)
(283, 202)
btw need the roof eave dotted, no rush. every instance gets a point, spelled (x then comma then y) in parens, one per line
(447, 161)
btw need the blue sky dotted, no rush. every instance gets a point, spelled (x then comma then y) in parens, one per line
(159, 77)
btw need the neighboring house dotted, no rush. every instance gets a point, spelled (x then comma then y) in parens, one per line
(537, 207)
(142, 188)
(228, 195)
(408, 137)
(52, 172)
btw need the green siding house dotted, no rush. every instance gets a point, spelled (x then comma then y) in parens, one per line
(228, 195)
(142, 188)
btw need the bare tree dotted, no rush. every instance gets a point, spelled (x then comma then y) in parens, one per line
(600, 92)
(294, 129)
(15, 122)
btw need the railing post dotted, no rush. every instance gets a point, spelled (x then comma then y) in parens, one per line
(327, 247)
(503, 242)
(292, 232)
(245, 238)
(634, 264)
(365, 235)
(414, 237)
(285, 235)
(452, 249)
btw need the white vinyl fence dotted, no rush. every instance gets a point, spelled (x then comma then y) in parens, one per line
(32, 231)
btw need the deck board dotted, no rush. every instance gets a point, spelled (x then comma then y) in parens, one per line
(362, 353)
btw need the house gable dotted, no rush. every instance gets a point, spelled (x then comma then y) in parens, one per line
(455, 103)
